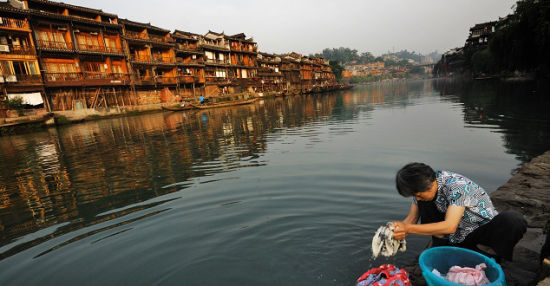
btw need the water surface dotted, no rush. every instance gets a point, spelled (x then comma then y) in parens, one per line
(287, 191)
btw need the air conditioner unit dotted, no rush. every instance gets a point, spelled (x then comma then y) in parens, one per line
(4, 48)
(11, 78)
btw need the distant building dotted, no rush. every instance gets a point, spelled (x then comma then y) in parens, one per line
(480, 34)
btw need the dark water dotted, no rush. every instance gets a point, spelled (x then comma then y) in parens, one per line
(287, 191)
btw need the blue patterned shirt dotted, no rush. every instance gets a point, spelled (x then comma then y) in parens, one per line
(455, 189)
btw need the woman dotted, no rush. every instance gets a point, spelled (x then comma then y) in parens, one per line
(455, 211)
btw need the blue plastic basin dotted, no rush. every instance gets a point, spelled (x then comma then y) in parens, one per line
(444, 257)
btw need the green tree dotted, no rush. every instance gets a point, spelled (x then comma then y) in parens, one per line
(337, 69)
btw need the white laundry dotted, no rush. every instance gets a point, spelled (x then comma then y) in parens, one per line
(383, 242)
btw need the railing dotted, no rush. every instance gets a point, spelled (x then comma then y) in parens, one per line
(91, 48)
(161, 39)
(216, 61)
(187, 78)
(136, 35)
(214, 46)
(14, 23)
(64, 76)
(78, 76)
(21, 78)
(168, 79)
(22, 50)
(141, 58)
(214, 79)
(55, 45)
(163, 59)
(189, 61)
(99, 49)
(187, 47)
(113, 50)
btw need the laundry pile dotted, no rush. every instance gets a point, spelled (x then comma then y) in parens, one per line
(383, 242)
(385, 275)
(466, 275)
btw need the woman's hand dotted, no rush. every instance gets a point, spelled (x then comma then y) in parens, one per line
(400, 230)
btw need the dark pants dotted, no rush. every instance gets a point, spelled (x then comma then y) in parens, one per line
(502, 233)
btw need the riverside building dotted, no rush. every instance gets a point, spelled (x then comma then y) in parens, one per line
(67, 58)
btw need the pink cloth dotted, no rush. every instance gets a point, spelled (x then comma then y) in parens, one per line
(468, 276)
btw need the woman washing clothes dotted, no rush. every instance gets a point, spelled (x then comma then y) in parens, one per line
(455, 211)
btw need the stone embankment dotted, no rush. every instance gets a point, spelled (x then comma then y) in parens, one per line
(528, 192)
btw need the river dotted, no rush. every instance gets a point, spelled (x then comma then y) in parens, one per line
(287, 191)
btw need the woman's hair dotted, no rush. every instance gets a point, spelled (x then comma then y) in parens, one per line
(414, 178)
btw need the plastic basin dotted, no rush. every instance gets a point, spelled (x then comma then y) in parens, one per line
(444, 257)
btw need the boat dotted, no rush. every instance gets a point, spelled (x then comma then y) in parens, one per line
(225, 104)
(178, 107)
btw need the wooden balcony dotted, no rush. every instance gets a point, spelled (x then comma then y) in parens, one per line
(189, 78)
(250, 49)
(53, 45)
(15, 24)
(161, 39)
(136, 35)
(164, 59)
(217, 62)
(99, 49)
(142, 58)
(155, 59)
(217, 80)
(21, 79)
(190, 62)
(167, 79)
(21, 50)
(145, 80)
(86, 79)
(187, 48)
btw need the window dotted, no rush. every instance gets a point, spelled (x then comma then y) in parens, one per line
(220, 73)
(61, 67)
(117, 68)
(209, 55)
(95, 67)
(5, 68)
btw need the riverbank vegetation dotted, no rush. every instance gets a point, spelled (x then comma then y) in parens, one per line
(518, 47)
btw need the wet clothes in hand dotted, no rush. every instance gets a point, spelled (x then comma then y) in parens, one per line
(383, 242)
(385, 275)
(466, 275)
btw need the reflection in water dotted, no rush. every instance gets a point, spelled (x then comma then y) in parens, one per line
(322, 181)
(519, 110)
(77, 172)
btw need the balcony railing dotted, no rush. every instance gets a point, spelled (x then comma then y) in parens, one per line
(14, 23)
(163, 59)
(168, 79)
(21, 79)
(72, 76)
(99, 49)
(187, 78)
(161, 39)
(96, 77)
(187, 47)
(189, 61)
(136, 35)
(55, 45)
(216, 61)
(141, 58)
(21, 50)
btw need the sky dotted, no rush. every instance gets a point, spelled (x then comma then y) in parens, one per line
(309, 26)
